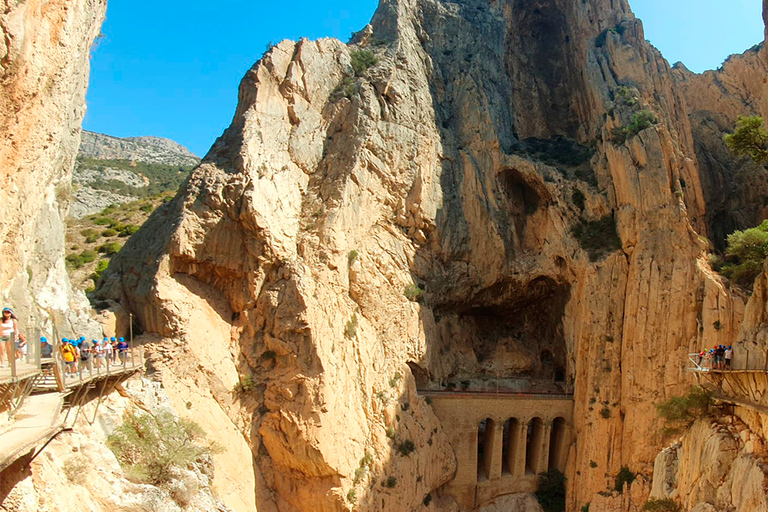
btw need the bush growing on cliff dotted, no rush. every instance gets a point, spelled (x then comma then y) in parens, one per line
(413, 292)
(149, 446)
(362, 60)
(662, 505)
(750, 138)
(551, 492)
(625, 476)
(745, 255)
(679, 412)
(597, 237)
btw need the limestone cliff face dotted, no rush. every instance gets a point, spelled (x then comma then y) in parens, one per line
(735, 189)
(715, 466)
(461, 162)
(44, 51)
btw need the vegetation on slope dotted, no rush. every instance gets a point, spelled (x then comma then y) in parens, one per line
(92, 241)
(744, 255)
(749, 138)
(160, 177)
(679, 412)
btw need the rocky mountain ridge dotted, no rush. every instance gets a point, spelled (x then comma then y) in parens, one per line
(141, 149)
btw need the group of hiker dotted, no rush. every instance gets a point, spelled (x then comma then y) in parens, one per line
(79, 354)
(716, 358)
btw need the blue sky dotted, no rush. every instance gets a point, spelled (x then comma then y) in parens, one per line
(171, 69)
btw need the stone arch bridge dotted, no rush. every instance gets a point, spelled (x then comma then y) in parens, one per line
(502, 440)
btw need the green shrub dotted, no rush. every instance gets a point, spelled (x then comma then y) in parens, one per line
(102, 221)
(551, 491)
(597, 237)
(413, 292)
(578, 198)
(88, 256)
(679, 412)
(750, 138)
(395, 380)
(149, 446)
(146, 207)
(624, 476)
(640, 121)
(390, 482)
(245, 384)
(101, 266)
(662, 505)
(76, 469)
(352, 496)
(406, 447)
(592, 464)
(128, 230)
(268, 355)
(427, 500)
(362, 60)
(585, 507)
(745, 254)
(351, 257)
(350, 330)
(88, 232)
(110, 248)
(605, 412)
(108, 232)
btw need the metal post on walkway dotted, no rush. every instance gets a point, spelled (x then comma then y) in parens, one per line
(130, 345)
(11, 355)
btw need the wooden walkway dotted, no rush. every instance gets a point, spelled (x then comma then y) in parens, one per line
(23, 370)
(34, 424)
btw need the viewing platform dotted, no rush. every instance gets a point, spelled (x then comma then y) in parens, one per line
(744, 385)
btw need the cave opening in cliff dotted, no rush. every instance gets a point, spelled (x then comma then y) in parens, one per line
(519, 337)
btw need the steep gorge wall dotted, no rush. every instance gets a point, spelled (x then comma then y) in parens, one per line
(44, 52)
(276, 277)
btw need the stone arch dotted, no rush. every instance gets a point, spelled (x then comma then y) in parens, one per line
(485, 443)
(557, 444)
(510, 446)
(534, 445)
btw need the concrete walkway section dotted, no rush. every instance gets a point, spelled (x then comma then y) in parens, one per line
(35, 423)
(502, 440)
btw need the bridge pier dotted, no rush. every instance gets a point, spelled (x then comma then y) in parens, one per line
(502, 442)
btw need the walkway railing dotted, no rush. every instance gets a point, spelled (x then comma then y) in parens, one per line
(757, 364)
(59, 373)
(25, 366)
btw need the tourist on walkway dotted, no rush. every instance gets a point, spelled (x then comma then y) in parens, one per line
(21, 346)
(113, 340)
(46, 350)
(69, 354)
(122, 347)
(107, 348)
(98, 354)
(9, 330)
(728, 357)
(86, 355)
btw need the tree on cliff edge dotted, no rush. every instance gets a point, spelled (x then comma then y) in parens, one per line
(750, 138)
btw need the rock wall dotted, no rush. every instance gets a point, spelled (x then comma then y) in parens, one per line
(715, 466)
(461, 163)
(735, 189)
(44, 52)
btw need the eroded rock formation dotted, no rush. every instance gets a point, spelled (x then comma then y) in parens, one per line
(465, 162)
(44, 51)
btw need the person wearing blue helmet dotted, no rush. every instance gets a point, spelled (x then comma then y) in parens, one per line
(46, 350)
(122, 348)
(69, 354)
(86, 355)
(113, 341)
(728, 357)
